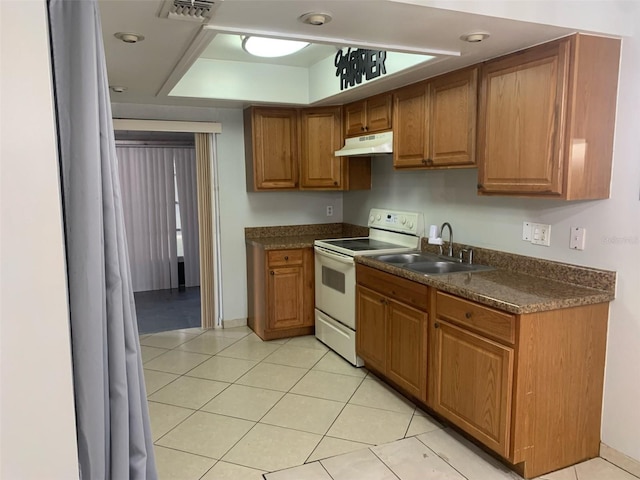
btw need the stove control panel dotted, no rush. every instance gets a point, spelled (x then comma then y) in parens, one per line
(396, 221)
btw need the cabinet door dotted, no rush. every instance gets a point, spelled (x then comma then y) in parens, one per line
(321, 137)
(410, 138)
(371, 328)
(521, 121)
(452, 119)
(355, 119)
(275, 144)
(472, 379)
(379, 113)
(406, 350)
(285, 297)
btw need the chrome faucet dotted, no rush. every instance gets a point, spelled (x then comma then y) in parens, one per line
(446, 224)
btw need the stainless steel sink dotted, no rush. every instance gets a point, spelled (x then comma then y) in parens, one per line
(429, 263)
(438, 268)
(405, 258)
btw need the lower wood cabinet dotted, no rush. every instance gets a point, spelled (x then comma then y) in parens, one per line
(528, 386)
(280, 291)
(472, 380)
(391, 328)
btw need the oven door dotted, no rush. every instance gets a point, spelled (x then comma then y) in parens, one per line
(336, 286)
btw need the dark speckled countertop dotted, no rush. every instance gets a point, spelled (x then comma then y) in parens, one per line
(300, 236)
(506, 290)
(519, 284)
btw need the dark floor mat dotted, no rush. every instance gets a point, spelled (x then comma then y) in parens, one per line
(162, 310)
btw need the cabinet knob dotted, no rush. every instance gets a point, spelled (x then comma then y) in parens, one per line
(271, 272)
(424, 161)
(436, 325)
(429, 161)
(335, 183)
(468, 315)
(363, 128)
(286, 257)
(480, 186)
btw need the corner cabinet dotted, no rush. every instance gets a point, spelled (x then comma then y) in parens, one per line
(370, 115)
(391, 325)
(435, 122)
(546, 120)
(280, 292)
(293, 149)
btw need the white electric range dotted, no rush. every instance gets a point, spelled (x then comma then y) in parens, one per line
(390, 231)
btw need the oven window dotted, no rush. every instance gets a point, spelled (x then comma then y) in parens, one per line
(333, 279)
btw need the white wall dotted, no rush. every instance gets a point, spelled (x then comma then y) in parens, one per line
(612, 241)
(37, 418)
(238, 208)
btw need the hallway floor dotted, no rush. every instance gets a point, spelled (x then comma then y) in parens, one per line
(225, 405)
(164, 310)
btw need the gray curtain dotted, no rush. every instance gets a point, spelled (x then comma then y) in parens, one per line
(114, 438)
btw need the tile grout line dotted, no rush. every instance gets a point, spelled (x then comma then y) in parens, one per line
(384, 463)
(442, 458)
(335, 419)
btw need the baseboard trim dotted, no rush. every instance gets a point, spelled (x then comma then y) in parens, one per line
(620, 459)
(235, 322)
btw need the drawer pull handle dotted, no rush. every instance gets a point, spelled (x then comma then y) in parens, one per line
(286, 257)
(436, 325)
(468, 315)
(271, 272)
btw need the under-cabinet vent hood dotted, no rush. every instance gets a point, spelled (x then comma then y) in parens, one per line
(377, 144)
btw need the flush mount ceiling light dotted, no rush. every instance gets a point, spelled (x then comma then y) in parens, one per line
(118, 88)
(315, 18)
(475, 37)
(271, 47)
(128, 37)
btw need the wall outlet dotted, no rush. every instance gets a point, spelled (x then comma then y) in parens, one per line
(541, 234)
(576, 241)
(329, 210)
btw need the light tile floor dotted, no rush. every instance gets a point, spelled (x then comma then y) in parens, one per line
(224, 405)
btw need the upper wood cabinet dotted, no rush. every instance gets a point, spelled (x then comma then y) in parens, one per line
(435, 122)
(293, 149)
(370, 115)
(546, 120)
(271, 148)
(321, 136)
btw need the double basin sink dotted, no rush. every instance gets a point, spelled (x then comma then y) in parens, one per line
(429, 263)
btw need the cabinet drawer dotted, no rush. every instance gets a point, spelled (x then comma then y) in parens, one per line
(485, 320)
(400, 289)
(284, 257)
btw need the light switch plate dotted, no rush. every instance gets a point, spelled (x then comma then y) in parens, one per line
(526, 231)
(541, 234)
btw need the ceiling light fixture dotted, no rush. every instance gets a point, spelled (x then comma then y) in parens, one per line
(128, 37)
(475, 37)
(271, 47)
(315, 19)
(118, 88)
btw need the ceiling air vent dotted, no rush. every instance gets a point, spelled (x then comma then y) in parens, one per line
(199, 11)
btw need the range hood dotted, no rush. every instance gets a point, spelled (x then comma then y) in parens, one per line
(376, 144)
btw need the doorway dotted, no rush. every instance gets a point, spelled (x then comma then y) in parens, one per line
(169, 198)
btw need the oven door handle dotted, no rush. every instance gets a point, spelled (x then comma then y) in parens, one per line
(335, 256)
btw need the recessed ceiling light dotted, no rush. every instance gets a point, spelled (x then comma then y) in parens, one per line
(118, 88)
(271, 47)
(315, 18)
(475, 37)
(128, 37)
